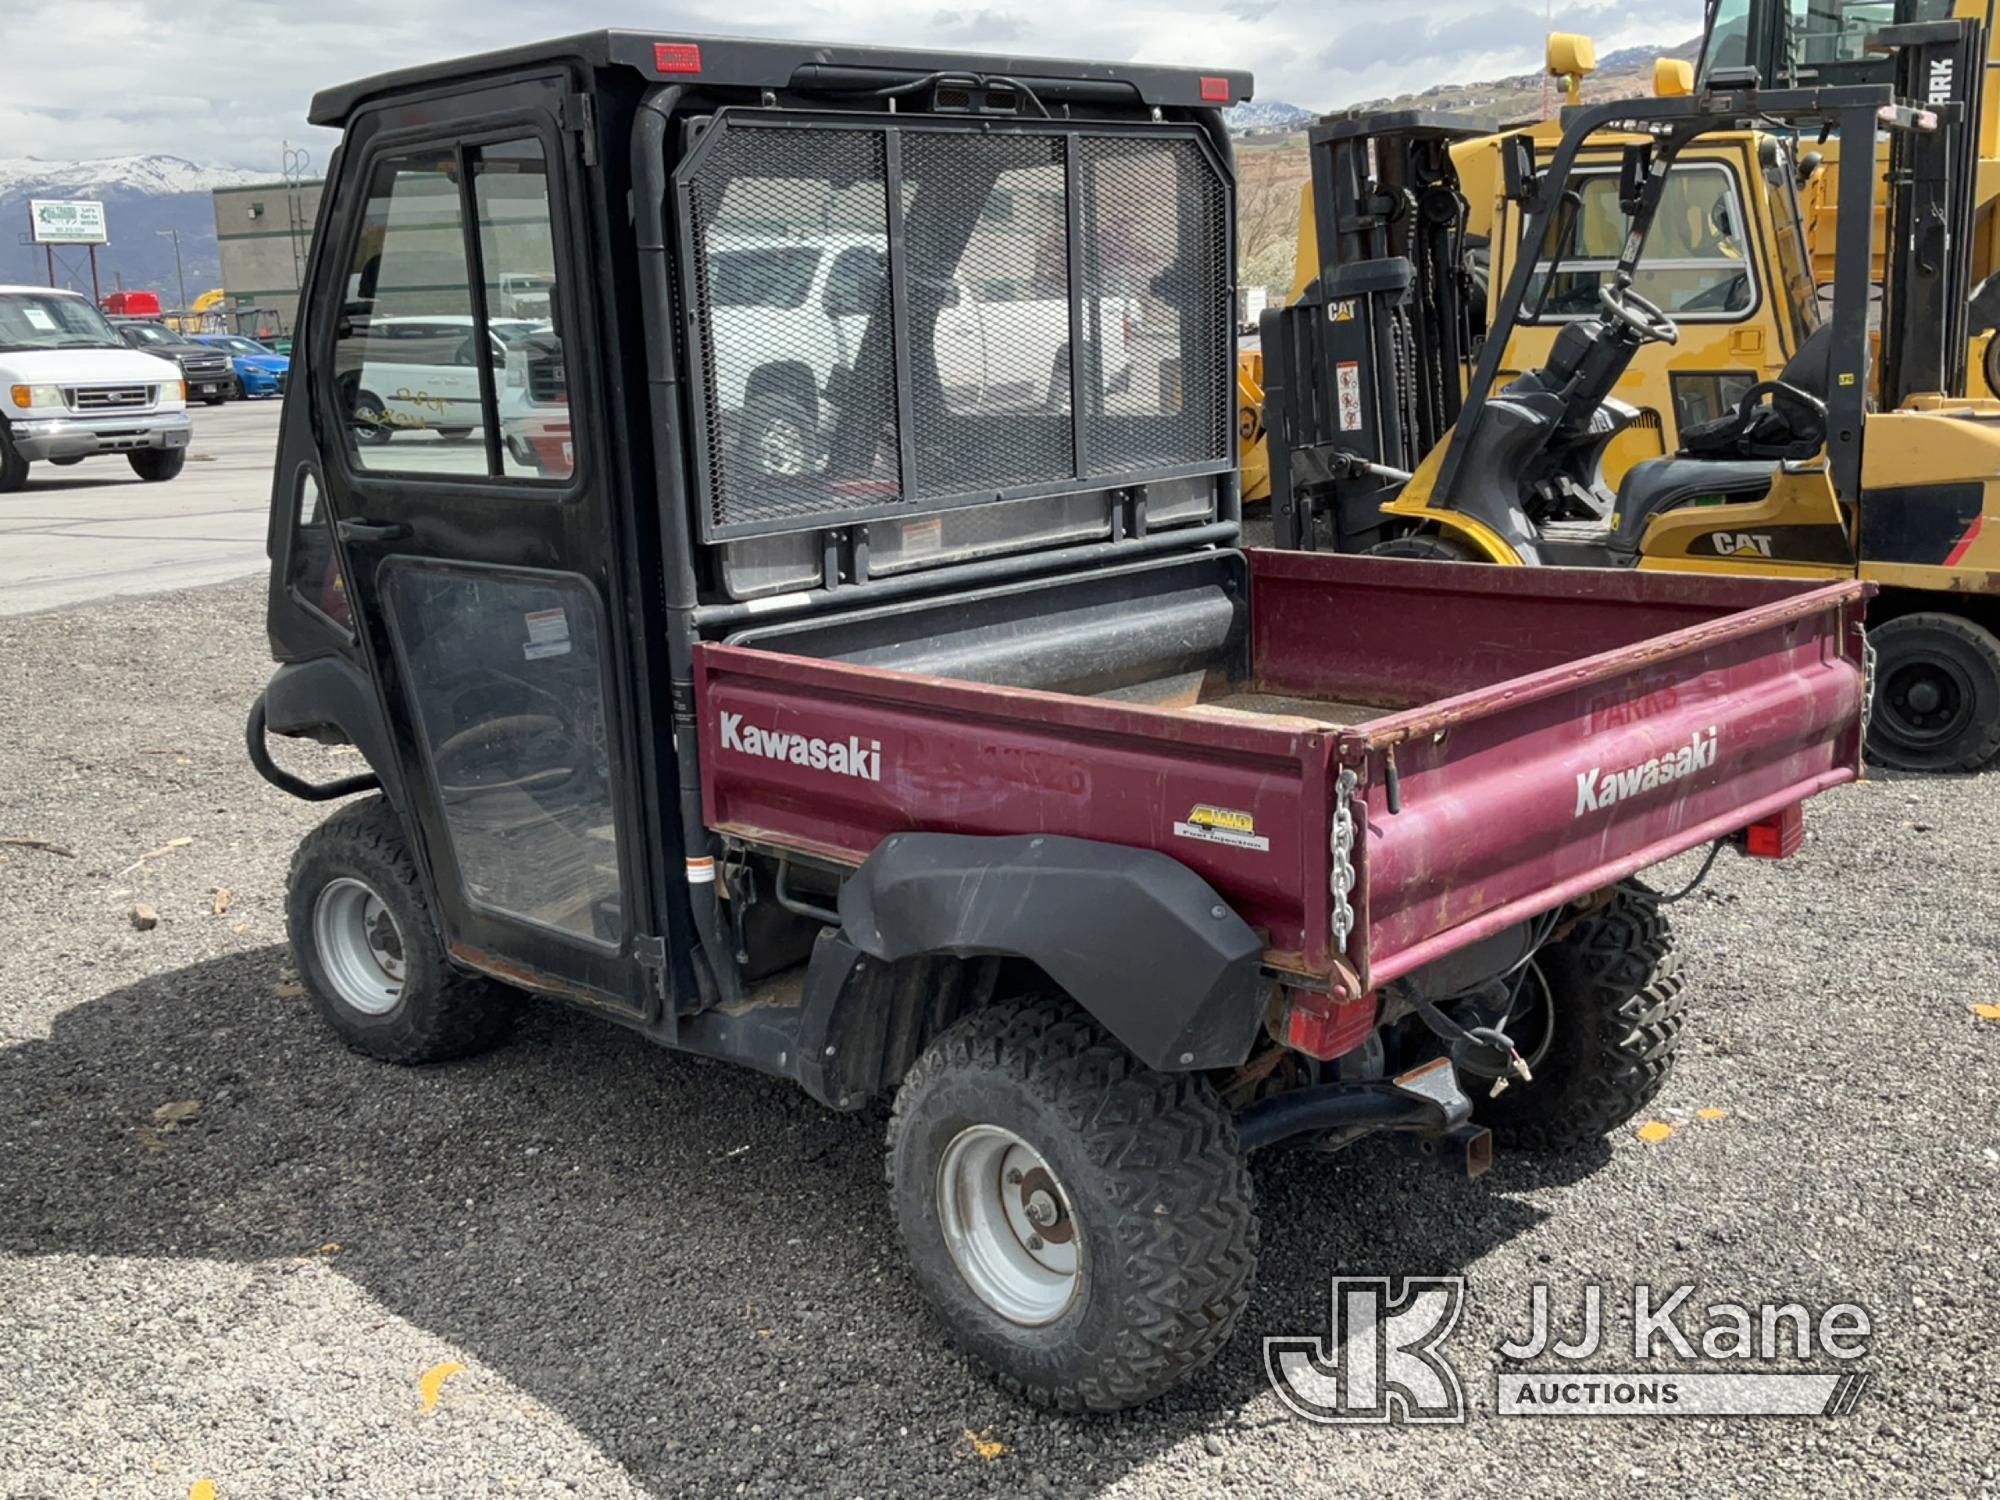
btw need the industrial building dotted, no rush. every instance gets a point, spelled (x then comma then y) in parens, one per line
(263, 233)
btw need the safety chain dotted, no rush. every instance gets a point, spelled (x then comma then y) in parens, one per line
(1342, 879)
(1867, 682)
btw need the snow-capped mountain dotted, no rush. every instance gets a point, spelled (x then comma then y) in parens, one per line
(1267, 114)
(152, 174)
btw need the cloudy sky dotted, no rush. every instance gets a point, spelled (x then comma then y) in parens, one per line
(228, 80)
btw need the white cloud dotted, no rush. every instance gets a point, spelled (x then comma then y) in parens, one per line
(229, 80)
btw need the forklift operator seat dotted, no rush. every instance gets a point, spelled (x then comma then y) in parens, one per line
(1792, 428)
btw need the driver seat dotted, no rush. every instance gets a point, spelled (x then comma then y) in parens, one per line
(1735, 456)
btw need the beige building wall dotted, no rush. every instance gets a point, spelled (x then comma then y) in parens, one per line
(264, 232)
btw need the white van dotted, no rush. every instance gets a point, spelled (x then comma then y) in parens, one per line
(72, 388)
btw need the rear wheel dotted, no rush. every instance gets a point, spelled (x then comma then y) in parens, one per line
(68, 459)
(779, 437)
(1597, 1018)
(155, 465)
(369, 953)
(1426, 547)
(1937, 694)
(1081, 1224)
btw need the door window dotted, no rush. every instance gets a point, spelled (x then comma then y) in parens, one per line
(419, 391)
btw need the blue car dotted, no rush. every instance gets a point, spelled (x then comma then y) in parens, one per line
(259, 371)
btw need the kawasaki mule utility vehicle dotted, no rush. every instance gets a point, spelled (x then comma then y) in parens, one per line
(872, 709)
(1401, 422)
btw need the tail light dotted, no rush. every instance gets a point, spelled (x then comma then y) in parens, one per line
(1320, 1027)
(1777, 837)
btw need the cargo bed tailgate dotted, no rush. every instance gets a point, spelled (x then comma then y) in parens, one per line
(1503, 801)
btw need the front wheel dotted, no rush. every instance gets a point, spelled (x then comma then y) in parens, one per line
(13, 467)
(779, 437)
(369, 953)
(1597, 1016)
(155, 465)
(1081, 1224)
(1937, 694)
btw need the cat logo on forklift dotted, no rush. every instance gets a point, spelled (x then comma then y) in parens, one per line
(1598, 789)
(1741, 543)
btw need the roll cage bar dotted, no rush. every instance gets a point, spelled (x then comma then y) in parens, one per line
(1732, 102)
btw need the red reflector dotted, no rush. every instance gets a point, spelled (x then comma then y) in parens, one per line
(1215, 90)
(676, 57)
(1319, 1028)
(1778, 836)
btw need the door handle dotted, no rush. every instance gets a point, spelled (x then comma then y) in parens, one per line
(372, 531)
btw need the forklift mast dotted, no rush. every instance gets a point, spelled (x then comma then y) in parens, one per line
(1933, 188)
(1365, 373)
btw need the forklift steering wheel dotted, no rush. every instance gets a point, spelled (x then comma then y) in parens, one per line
(1639, 315)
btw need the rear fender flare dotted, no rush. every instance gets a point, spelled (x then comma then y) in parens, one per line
(1136, 938)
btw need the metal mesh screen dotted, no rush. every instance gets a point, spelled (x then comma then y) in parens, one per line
(1156, 284)
(791, 231)
(820, 409)
(991, 381)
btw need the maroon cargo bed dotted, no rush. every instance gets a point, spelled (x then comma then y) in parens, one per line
(1515, 739)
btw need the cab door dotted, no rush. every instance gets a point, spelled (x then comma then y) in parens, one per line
(481, 573)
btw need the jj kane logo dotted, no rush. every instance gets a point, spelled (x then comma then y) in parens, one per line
(1597, 788)
(861, 759)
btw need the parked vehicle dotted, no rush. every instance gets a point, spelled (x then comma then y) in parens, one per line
(206, 371)
(790, 314)
(969, 762)
(75, 389)
(259, 370)
(408, 374)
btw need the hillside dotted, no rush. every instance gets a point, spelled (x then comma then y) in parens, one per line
(144, 197)
(1625, 74)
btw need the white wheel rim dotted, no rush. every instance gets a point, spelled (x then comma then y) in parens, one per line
(781, 450)
(360, 946)
(1008, 1225)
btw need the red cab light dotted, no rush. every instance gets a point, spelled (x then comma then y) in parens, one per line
(676, 57)
(1779, 836)
(1215, 90)
(1321, 1028)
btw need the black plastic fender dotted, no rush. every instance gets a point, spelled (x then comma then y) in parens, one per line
(1133, 936)
(329, 699)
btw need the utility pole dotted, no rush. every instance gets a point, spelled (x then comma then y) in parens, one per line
(180, 276)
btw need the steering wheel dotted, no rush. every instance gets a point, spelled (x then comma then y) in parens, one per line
(1636, 313)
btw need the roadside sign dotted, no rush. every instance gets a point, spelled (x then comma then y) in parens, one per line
(71, 221)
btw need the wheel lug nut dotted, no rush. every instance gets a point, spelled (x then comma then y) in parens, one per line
(1034, 1242)
(1013, 1176)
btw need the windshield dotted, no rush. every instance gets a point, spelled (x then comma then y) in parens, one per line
(51, 320)
(774, 276)
(1786, 40)
(147, 333)
(236, 345)
(510, 331)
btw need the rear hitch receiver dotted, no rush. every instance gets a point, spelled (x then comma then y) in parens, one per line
(1425, 1104)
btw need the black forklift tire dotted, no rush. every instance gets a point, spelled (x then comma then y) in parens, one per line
(1426, 547)
(1599, 1019)
(13, 467)
(435, 1013)
(1953, 659)
(1142, 1169)
(157, 465)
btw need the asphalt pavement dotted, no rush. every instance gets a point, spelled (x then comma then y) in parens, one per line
(94, 530)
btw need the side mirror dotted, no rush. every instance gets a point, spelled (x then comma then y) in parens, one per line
(1633, 168)
(1519, 179)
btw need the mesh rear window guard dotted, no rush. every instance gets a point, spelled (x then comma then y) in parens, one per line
(832, 322)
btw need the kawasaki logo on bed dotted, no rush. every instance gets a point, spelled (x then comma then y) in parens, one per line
(849, 757)
(1597, 789)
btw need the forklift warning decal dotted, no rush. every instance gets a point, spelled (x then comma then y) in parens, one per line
(1347, 380)
(852, 758)
(1221, 825)
(1598, 789)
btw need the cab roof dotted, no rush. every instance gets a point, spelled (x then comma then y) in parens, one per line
(736, 62)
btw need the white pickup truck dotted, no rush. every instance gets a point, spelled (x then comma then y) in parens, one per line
(788, 313)
(71, 388)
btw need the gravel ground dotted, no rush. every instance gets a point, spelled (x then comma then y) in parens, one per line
(662, 1277)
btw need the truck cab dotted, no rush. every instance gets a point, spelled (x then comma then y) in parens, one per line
(947, 747)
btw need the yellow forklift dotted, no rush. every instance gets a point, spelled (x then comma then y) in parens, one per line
(1396, 425)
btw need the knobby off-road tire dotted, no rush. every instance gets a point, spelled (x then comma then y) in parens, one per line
(1613, 994)
(1155, 1196)
(423, 1010)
